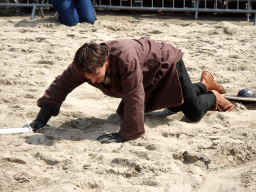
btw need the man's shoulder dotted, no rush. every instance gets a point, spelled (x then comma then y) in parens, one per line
(123, 49)
(121, 44)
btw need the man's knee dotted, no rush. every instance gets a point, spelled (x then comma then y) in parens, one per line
(194, 116)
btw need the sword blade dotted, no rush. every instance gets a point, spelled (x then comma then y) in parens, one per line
(15, 130)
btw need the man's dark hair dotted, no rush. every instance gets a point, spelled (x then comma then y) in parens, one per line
(89, 56)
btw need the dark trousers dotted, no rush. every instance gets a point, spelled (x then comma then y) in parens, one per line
(72, 12)
(197, 101)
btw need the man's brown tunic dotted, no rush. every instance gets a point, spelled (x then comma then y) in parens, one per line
(142, 73)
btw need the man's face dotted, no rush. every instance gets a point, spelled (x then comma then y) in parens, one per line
(98, 76)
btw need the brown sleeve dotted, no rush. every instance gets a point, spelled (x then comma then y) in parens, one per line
(132, 125)
(61, 87)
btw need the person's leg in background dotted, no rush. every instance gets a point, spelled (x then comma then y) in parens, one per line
(85, 11)
(67, 12)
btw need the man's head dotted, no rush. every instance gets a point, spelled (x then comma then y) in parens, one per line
(92, 60)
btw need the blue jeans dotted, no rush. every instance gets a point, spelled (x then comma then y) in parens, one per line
(197, 101)
(72, 12)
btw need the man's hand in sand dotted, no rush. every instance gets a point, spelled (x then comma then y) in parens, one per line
(43, 117)
(110, 138)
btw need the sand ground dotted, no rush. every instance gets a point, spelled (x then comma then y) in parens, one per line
(215, 154)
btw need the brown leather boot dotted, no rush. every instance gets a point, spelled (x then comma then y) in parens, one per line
(221, 104)
(210, 84)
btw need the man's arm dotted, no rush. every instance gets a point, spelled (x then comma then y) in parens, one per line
(131, 108)
(57, 92)
(133, 100)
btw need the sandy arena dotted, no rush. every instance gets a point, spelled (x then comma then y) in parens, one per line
(216, 154)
